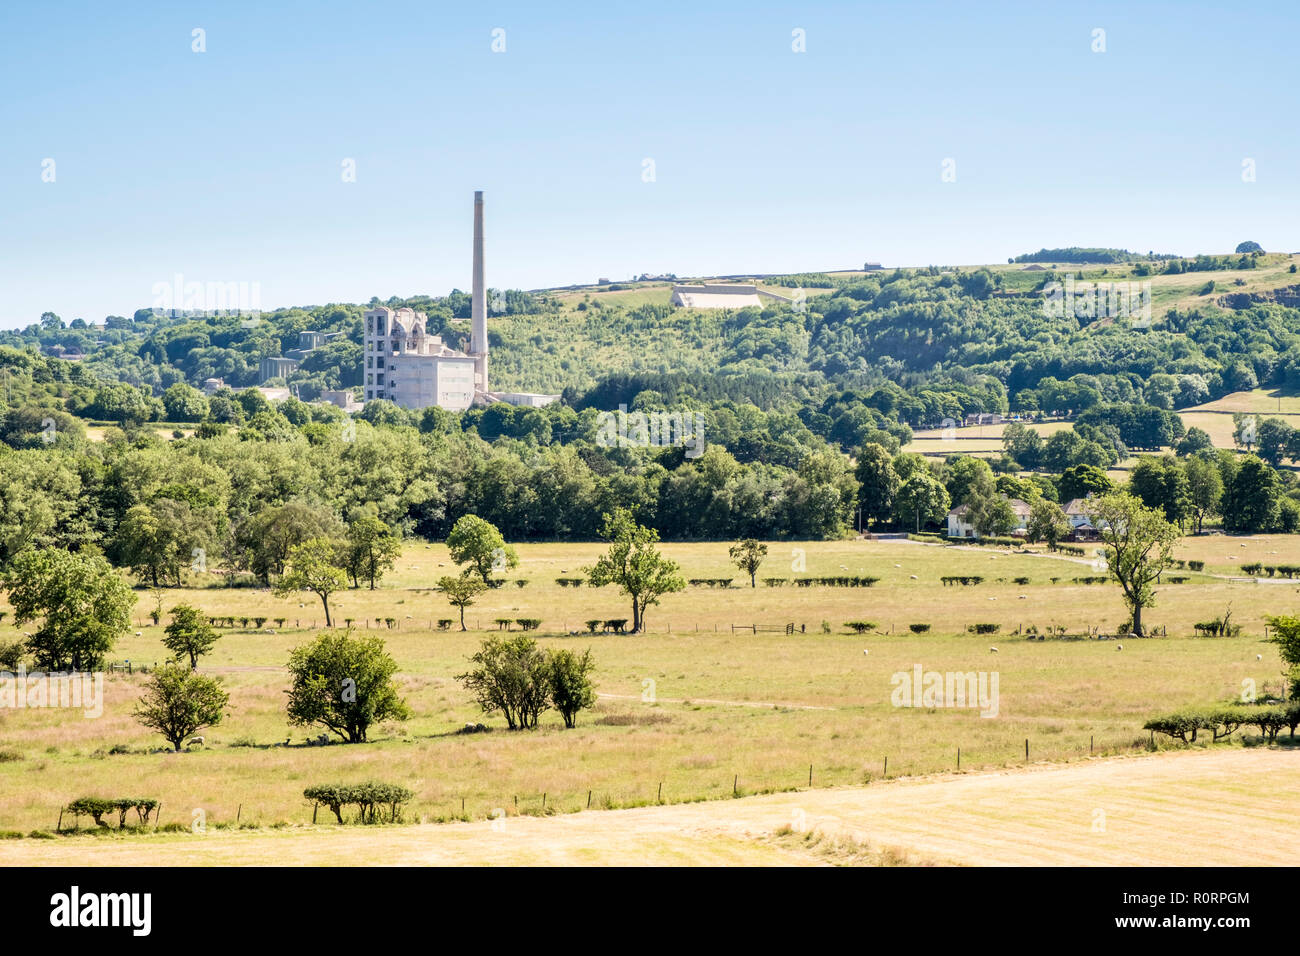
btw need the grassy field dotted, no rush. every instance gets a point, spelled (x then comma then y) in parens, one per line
(690, 705)
(1222, 807)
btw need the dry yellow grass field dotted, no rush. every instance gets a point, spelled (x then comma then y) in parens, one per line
(691, 705)
(1226, 807)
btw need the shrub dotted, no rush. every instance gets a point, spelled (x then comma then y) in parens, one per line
(592, 625)
(502, 623)
(860, 627)
(11, 655)
(983, 628)
(616, 625)
(1021, 580)
(521, 583)
(97, 807)
(1178, 726)
(1269, 718)
(529, 623)
(369, 798)
(512, 675)
(570, 680)
(918, 628)
(1196, 565)
(444, 623)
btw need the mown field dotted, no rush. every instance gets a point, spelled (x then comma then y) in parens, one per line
(723, 711)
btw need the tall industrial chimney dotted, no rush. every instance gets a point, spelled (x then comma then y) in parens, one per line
(478, 343)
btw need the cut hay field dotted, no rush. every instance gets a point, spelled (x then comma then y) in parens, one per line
(1225, 807)
(690, 705)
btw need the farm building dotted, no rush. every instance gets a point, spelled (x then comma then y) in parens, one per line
(960, 527)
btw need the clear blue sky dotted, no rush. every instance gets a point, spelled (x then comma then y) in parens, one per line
(226, 165)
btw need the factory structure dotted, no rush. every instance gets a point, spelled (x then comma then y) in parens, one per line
(407, 366)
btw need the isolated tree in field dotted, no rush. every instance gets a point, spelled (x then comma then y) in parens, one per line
(635, 565)
(1138, 546)
(748, 555)
(461, 592)
(1047, 522)
(178, 703)
(571, 687)
(345, 684)
(512, 675)
(82, 603)
(372, 549)
(189, 634)
(312, 567)
(921, 499)
(479, 544)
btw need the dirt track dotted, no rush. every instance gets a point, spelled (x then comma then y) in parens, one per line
(1228, 807)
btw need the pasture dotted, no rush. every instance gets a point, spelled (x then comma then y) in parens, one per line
(691, 706)
(1227, 807)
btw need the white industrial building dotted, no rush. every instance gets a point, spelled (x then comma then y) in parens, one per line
(406, 365)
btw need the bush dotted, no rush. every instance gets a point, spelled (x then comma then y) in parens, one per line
(860, 627)
(529, 623)
(11, 655)
(1196, 565)
(963, 579)
(571, 687)
(592, 625)
(369, 798)
(1221, 721)
(918, 628)
(983, 628)
(444, 623)
(97, 807)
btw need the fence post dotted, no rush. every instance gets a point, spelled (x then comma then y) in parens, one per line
(588, 799)
(735, 785)
(660, 797)
(1026, 748)
(810, 775)
(314, 807)
(958, 758)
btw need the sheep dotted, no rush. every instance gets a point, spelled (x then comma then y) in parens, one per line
(897, 566)
(139, 633)
(865, 651)
(1259, 657)
(993, 650)
(1022, 597)
(1119, 647)
(194, 741)
(912, 576)
(844, 567)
